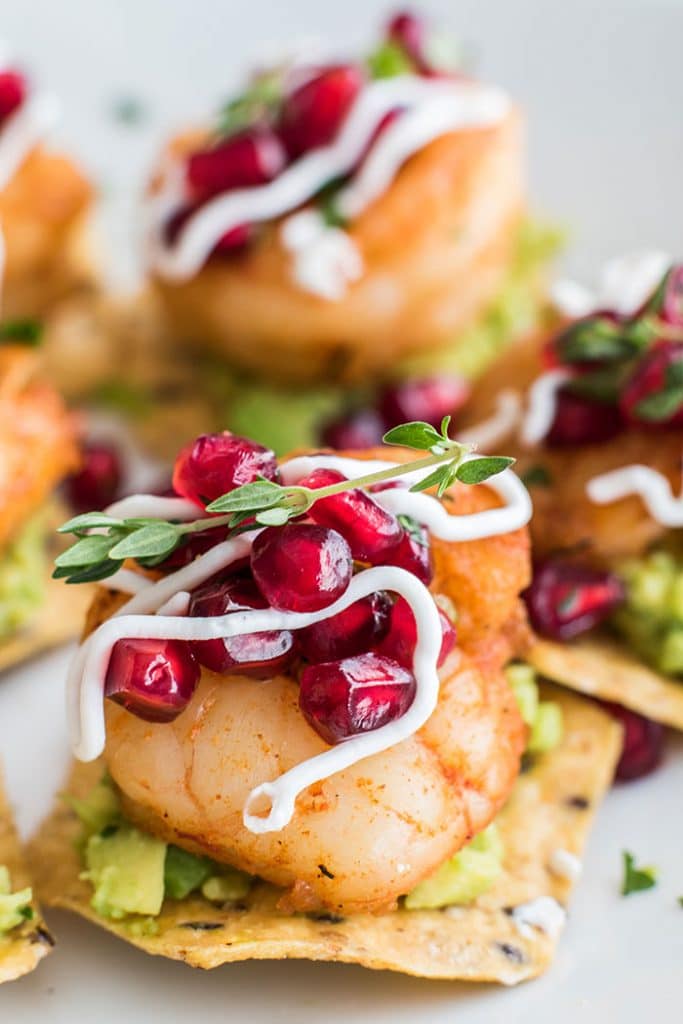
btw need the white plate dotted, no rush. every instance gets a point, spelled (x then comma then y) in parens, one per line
(602, 86)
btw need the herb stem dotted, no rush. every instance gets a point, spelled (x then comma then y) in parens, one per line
(457, 452)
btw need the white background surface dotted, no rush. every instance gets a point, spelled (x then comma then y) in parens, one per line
(602, 85)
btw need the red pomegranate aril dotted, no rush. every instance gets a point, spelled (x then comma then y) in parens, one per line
(370, 530)
(428, 399)
(301, 567)
(643, 744)
(579, 420)
(153, 679)
(362, 428)
(250, 158)
(565, 599)
(341, 699)
(399, 643)
(234, 240)
(414, 554)
(197, 544)
(357, 629)
(97, 483)
(653, 395)
(313, 113)
(214, 464)
(254, 654)
(12, 92)
(408, 30)
(672, 304)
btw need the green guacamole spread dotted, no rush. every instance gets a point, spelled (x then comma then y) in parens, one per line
(15, 907)
(22, 577)
(651, 620)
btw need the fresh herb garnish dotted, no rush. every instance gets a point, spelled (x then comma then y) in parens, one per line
(95, 556)
(664, 404)
(537, 476)
(257, 103)
(21, 332)
(129, 110)
(636, 879)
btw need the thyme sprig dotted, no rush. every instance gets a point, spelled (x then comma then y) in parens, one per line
(97, 555)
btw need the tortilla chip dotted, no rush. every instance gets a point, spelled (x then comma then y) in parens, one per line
(551, 808)
(59, 619)
(605, 669)
(23, 948)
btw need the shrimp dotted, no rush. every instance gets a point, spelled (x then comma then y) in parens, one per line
(564, 517)
(367, 835)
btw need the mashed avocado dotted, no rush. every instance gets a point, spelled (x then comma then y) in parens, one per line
(15, 907)
(543, 717)
(651, 620)
(22, 577)
(132, 872)
(468, 874)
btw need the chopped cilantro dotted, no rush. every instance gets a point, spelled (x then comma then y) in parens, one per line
(636, 879)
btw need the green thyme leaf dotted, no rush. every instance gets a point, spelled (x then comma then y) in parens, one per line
(666, 403)
(636, 879)
(331, 214)
(441, 477)
(414, 530)
(656, 301)
(537, 476)
(148, 542)
(253, 497)
(258, 101)
(85, 551)
(597, 339)
(274, 516)
(477, 470)
(88, 521)
(413, 435)
(445, 424)
(600, 385)
(22, 332)
(94, 573)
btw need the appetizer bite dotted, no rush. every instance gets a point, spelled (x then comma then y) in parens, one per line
(594, 415)
(44, 199)
(38, 448)
(305, 683)
(344, 224)
(24, 939)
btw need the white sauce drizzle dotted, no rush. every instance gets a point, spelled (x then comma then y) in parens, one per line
(499, 425)
(157, 610)
(565, 864)
(542, 405)
(544, 913)
(471, 104)
(325, 259)
(652, 487)
(153, 506)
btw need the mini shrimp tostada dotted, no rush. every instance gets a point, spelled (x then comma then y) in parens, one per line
(343, 224)
(44, 202)
(600, 443)
(312, 712)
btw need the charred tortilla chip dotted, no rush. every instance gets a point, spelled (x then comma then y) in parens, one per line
(604, 669)
(491, 940)
(27, 944)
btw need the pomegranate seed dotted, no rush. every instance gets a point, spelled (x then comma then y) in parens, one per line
(428, 399)
(196, 544)
(357, 629)
(229, 243)
(399, 643)
(565, 599)
(363, 428)
(340, 699)
(301, 567)
(643, 743)
(653, 395)
(255, 654)
(370, 530)
(672, 305)
(153, 679)
(214, 464)
(414, 553)
(12, 92)
(580, 420)
(408, 31)
(389, 118)
(252, 157)
(98, 481)
(313, 114)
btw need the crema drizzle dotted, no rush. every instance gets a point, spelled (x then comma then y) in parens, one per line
(158, 609)
(653, 487)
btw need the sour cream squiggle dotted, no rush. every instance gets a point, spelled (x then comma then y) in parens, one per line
(157, 611)
(471, 104)
(542, 405)
(652, 487)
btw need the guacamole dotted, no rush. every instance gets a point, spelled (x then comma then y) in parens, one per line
(651, 620)
(15, 907)
(23, 572)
